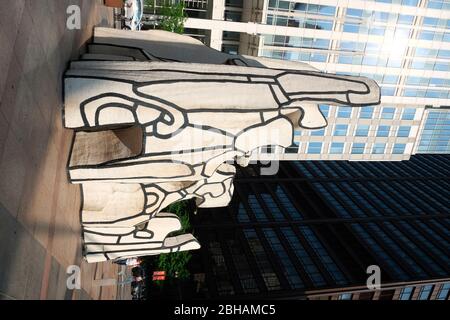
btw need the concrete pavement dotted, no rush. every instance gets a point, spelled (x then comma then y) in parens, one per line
(39, 210)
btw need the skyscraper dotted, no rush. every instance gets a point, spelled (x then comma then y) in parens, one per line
(313, 231)
(403, 44)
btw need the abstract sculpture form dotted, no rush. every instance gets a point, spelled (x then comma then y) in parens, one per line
(159, 116)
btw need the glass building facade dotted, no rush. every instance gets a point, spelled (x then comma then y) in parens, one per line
(435, 134)
(393, 42)
(372, 133)
(311, 231)
(403, 44)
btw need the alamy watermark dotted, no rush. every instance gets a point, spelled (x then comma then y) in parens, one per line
(73, 281)
(374, 280)
(211, 144)
(74, 17)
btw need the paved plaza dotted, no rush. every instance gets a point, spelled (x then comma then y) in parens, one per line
(39, 210)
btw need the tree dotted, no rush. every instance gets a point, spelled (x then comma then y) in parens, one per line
(175, 263)
(173, 17)
(170, 13)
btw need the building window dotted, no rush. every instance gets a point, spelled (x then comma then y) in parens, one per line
(303, 256)
(383, 131)
(399, 148)
(293, 148)
(387, 91)
(378, 251)
(288, 266)
(429, 246)
(325, 110)
(340, 130)
(232, 36)
(272, 207)
(318, 133)
(287, 204)
(435, 4)
(425, 292)
(355, 13)
(362, 130)
(322, 254)
(268, 274)
(347, 59)
(366, 113)
(344, 112)
(435, 137)
(256, 208)
(345, 296)
(443, 292)
(219, 270)
(358, 148)
(388, 113)
(390, 79)
(412, 3)
(282, 5)
(403, 131)
(234, 3)
(431, 22)
(405, 293)
(351, 27)
(242, 214)
(408, 114)
(315, 147)
(233, 16)
(303, 7)
(389, 242)
(337, 148)
(244, 271)
(417, 81)
(326, 10)
(230, 48)
(378, 148)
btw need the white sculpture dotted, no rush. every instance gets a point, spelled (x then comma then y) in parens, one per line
(102, 244)
(152, 131)
(126, 204)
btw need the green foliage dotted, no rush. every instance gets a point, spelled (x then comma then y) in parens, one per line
(171, 12)
(182, 211)
(173, 18)
(175, 263)
(149, 3)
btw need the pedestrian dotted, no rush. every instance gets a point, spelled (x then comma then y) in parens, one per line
(133, 262)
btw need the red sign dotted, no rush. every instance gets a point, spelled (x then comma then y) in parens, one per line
(159, 275)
